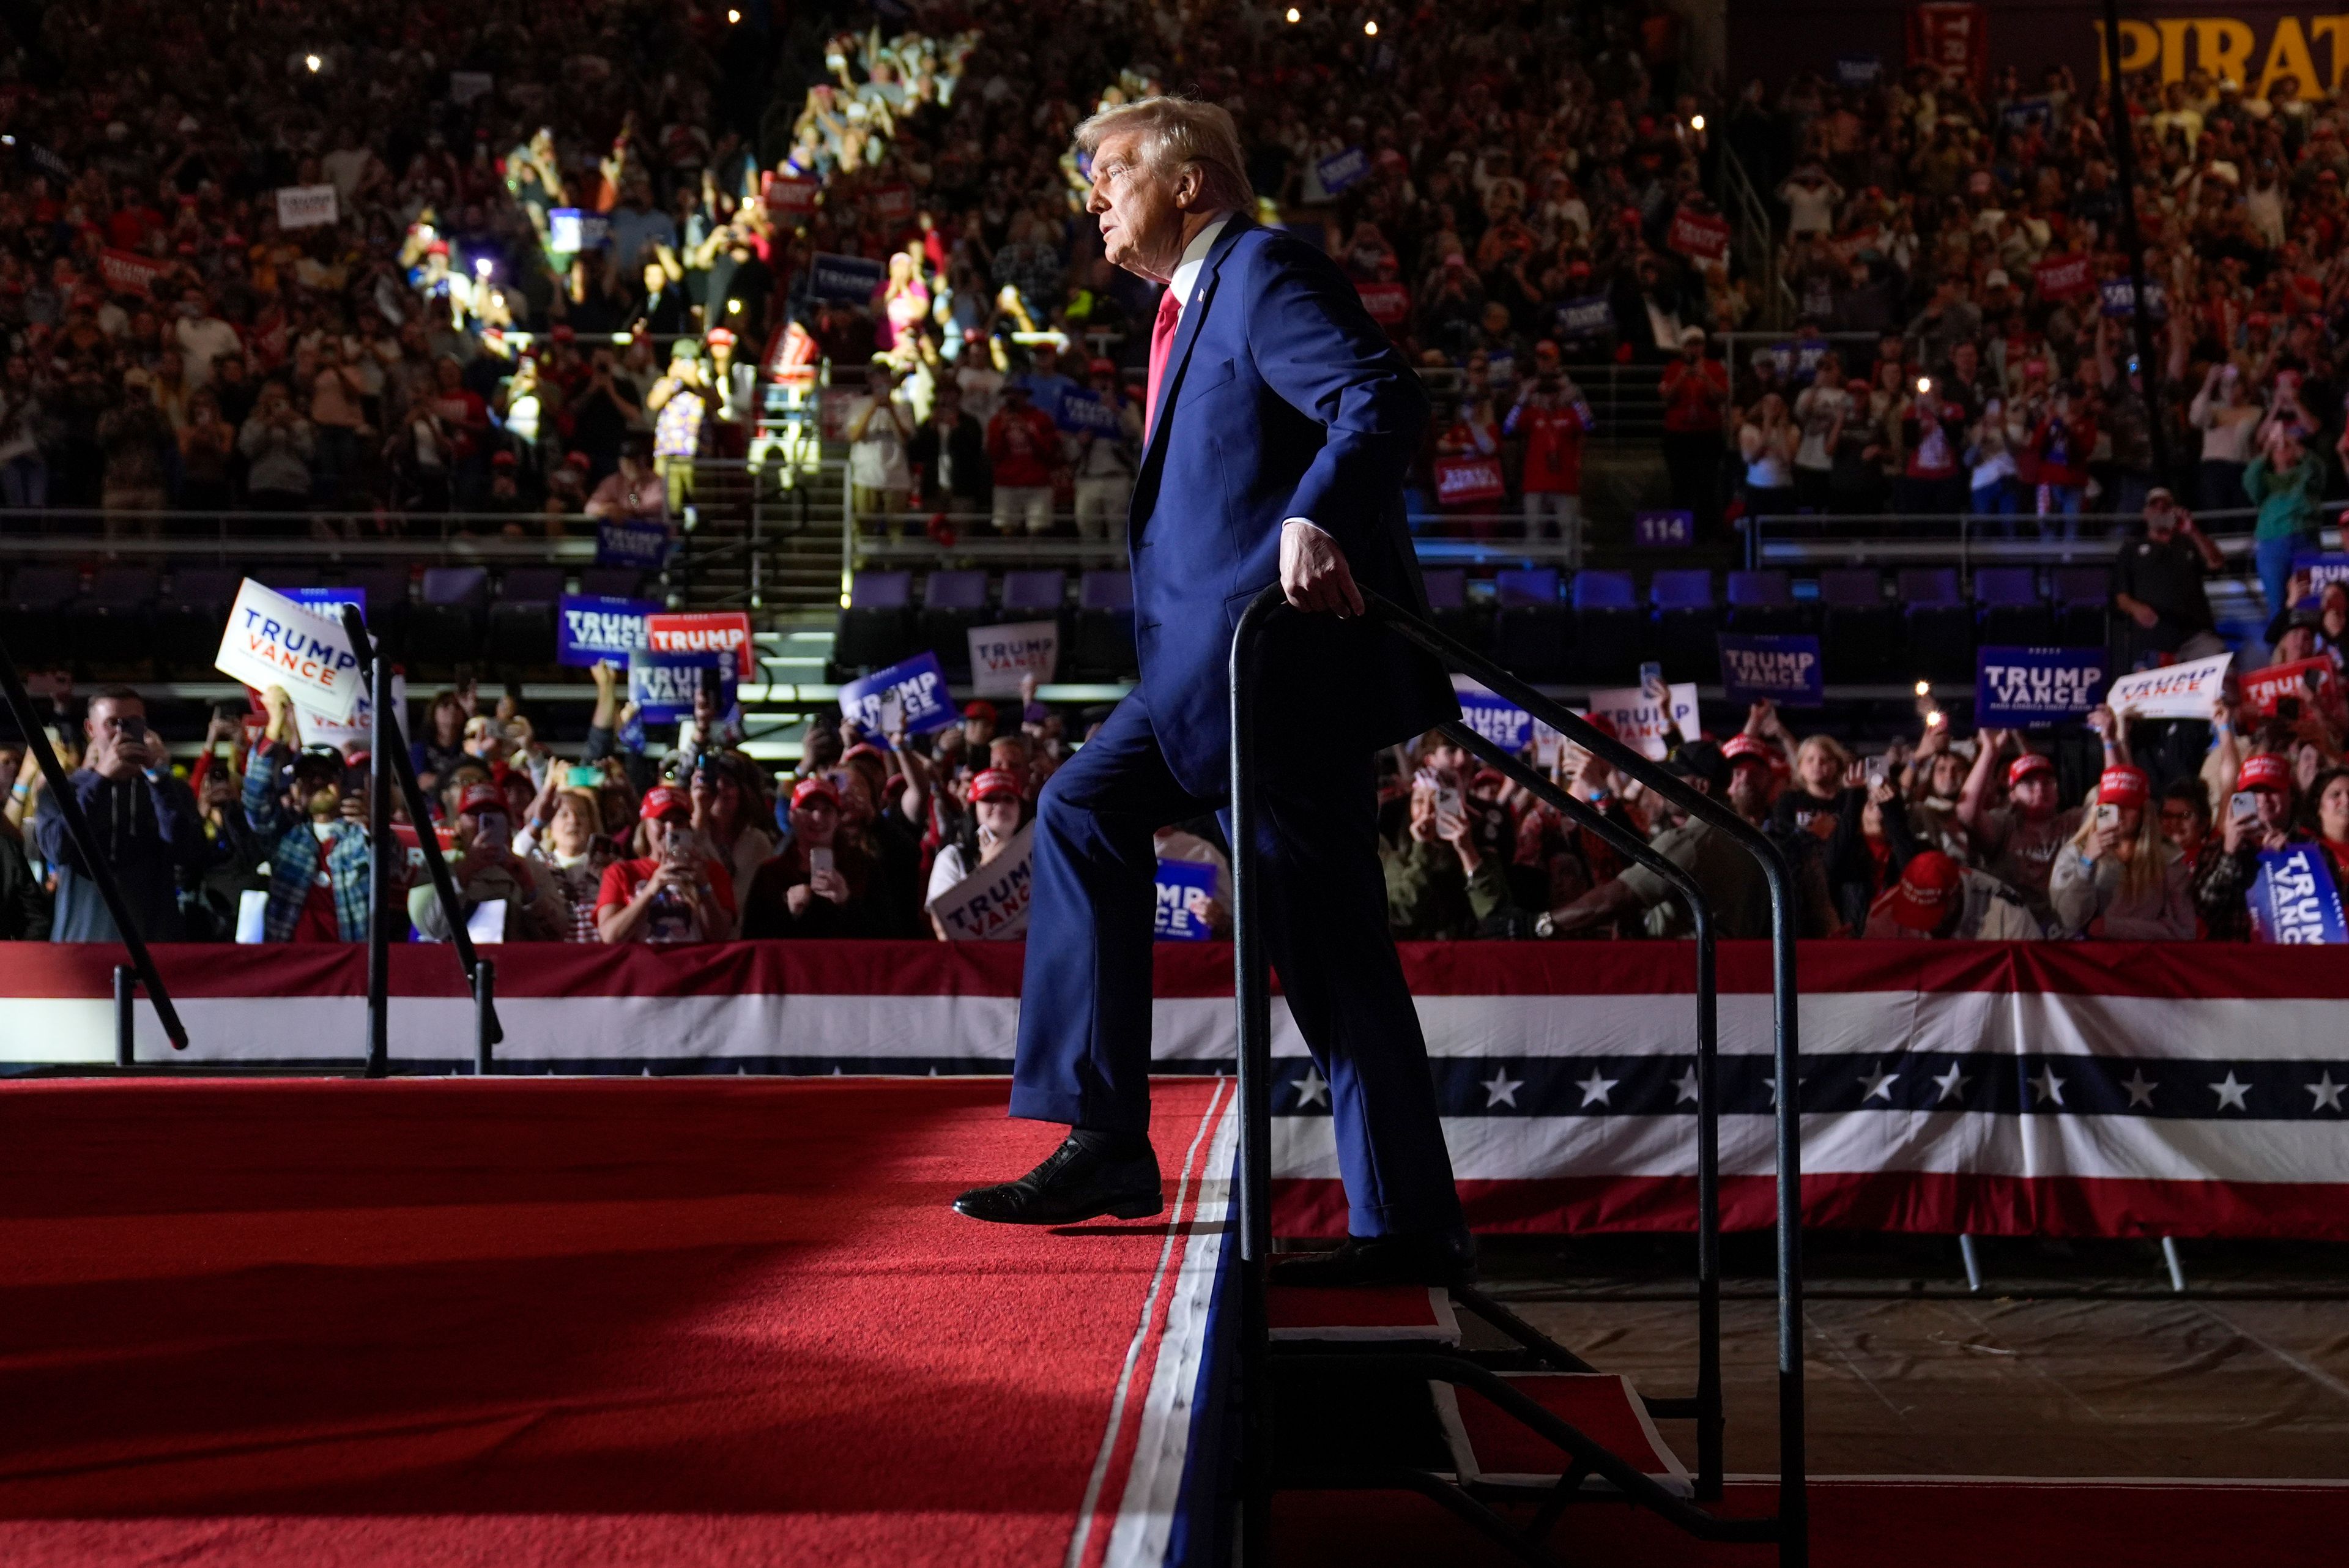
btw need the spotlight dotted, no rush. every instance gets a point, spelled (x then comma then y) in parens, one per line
(1924, 688)
(313, 61)
(1370, 29)
(733, 17)
(1696, 123)
(1294, 15)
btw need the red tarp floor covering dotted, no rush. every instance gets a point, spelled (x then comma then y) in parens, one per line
(620, 1323)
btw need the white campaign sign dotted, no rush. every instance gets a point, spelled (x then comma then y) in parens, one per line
(1644, 723)
(306, 206)
(273, 641)
(318, 730)
(1000, 654)
(992, 902)
(2175, 692)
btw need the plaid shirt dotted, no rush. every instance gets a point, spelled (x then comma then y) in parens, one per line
(294, 853)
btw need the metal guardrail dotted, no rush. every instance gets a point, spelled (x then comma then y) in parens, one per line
(1967, 540)
(1253, 1000)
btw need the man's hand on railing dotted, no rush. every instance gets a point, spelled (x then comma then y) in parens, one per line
(1313, 572)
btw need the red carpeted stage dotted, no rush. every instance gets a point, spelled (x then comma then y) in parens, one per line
(668, 1322)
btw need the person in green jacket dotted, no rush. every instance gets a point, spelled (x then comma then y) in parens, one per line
(2285, 481)
(1445, 881)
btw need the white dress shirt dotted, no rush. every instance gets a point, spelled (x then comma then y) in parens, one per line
(1186, 278)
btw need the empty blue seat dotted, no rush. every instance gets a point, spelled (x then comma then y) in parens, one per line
(1535, 586)
(1104, 642)
(1688, 622)
(522, 622)
(1604, 591)
(2013, 613)
(2000, 587)
(1858, 627)
(1929, 587)
(2084, 600)
(1940, 624)
(1106, 591)
(880, 590)
(876, 628)
(1760, 590)
(1447, 589)
(952, 603)
(1035, 592)
(1681, 588)
(1852, 587)
(1612, 632)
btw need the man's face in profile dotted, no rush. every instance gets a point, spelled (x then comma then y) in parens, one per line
(1141, 215)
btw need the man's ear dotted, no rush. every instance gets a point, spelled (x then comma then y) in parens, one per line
(1190, 187)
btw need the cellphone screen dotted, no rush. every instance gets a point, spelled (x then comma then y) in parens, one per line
(584, 778)
(2108, 815)
(819, 860)
(2244, 807)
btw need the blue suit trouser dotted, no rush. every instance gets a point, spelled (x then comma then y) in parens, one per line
(1084, 1008)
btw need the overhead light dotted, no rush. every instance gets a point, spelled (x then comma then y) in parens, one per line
(1294, 15)
(1371, 29)
(1696, 123)
(313, 61)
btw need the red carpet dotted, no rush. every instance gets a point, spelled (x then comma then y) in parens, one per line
(653, 1322)
(1910, 1522)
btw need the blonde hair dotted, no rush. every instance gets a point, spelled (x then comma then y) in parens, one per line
(1178, 133)
(1828, 744)
(2141, 873)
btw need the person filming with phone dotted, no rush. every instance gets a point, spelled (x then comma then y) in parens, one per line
(820, 883)
(142, 821)
(2117, 879)
(674, 892)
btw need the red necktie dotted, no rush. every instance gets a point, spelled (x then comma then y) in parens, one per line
(1162, 340)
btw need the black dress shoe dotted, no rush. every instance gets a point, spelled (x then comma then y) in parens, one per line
(1076, 1182)
(1421, 1258)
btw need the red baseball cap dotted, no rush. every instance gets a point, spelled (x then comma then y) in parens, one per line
(2124, 785)
(1748, 748)
(2269, 770)
(807, 789)
(1922, 900)
(995, 783)
(662, 800)
(481, 797)
(976, 709)
(2023, 766)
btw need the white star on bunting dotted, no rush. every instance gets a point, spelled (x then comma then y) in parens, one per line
(1595, 1088)
(2327, 1093)
(1500, 1089)
(2047, 1086)
(1312, 1088)
(1774, 1088)
(1879, 1083)
(1953, 1085)
(2231, 1093)
(2141, 1091)
(1686, 1084)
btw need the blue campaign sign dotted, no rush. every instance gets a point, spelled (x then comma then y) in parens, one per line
(663, 685)
(1585, 318)
(1859, 70)
(1662, 529)
(595, 629)
(2119, 296)
(328, 602)
(2322, 567)
(851, 278)
(1342, 170)
(563, 232)
(2294, 897)
(1782, 668)
(1088, 412)
(1497, 718)
(2017, 686)
(2023, 112)
(640, 545)
(1186, 888)
(919, 689)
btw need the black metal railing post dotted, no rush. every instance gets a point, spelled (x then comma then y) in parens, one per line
(381, 732)
(125, 1033)
(1252, 995)
(485, 1015)
(94, 866)
(419, 815)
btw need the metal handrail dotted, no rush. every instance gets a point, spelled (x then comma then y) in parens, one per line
(1253, 1001)
(1970, 537)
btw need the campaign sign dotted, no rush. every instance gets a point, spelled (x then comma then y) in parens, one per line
(328, 602)
(358, 729)
(1497, 718)
(2172, 692)
(991, 904)
(1648, 726)
(1663, 529)
(1089, 411)
(1002, 655)
(854, 279)
(704, 632)
(792, 197)
(1587, 318)
(2018, 686)
(894, 204)
(1341, 170)
(2294, 897)
(1701, 236)
(127, 272)
(563, 232)
(597, 628)
(306, 206)
(1859, 70)
(2060, 277)
(663, 685)
(1781, 668)
(1185, 889)
(920, 688)
(644, 546)
(2323, 568)
(273, 641)
(2119, 297)
(1388, 303)
(2310, 679)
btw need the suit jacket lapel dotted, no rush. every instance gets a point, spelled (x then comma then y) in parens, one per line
(1178, 356)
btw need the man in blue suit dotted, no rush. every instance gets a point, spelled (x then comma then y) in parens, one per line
(1280, 424)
